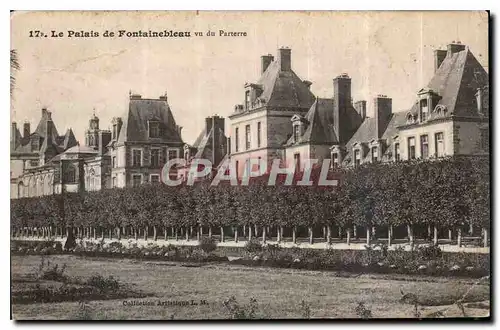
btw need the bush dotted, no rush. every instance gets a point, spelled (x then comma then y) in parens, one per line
(430, 252)
(238, 312)
(47, 271)
(253, 246)
(207, 244)
(362, 311)
(103, 283)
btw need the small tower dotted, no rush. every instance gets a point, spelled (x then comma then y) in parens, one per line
(92, 133)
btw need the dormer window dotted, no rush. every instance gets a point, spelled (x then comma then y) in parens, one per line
(296, 133)
(424, 110)
(335, 160)
(247, 100)
(154, 128)
(374, 152)
(428, 99)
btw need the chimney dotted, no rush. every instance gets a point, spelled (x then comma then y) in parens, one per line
(265, 61)
(455, 47)
(135, 96)
(49, 124)
(360, 107)
(44, 112)
(117, 126)
(341, 100)
(383, 111)
(164, 97)
(307, 83)
(439, 56)
(13, 135)
(285, 58)
(179, 129)
(26, 130)
(104, 139)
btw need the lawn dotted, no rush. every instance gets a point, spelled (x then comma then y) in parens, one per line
(278, 292)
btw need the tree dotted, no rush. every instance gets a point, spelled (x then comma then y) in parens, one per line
(14, 67)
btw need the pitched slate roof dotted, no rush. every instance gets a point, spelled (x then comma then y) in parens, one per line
(319, 124)
(140, 111)
(456, 81)
(204, 144)
(284, 88)
(42, 126)
(78, 149)
(59, 142)
(17, 139)
(367, 132)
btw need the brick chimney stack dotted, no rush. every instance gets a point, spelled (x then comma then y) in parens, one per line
(454, 47)
(439, 56)
(265, 61)
(26, 130)
(341, 100)
(360, 107)
(383, 112)
(285, 58)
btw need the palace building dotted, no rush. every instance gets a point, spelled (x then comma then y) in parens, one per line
(282, 119)
(132, 153)
(279, 119)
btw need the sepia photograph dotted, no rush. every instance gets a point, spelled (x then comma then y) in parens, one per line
(250, 165)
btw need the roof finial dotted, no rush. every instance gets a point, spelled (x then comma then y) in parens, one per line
(93, 111)
(129, 92)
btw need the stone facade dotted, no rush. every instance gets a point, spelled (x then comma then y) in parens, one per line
(450, 116)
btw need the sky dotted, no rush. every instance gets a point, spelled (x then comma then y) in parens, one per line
(388, 53)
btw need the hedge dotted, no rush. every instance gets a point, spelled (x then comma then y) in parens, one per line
(450, 193)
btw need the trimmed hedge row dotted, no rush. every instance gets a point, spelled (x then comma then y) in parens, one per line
(450, 193)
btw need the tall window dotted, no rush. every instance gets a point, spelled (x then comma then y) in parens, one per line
(173, 154)
(154, 129)
(335, 160)
(114, 161)
(424, 146)
(237, 139)
(155, 157)
(439, 140)
(237, 168)
(374, 154)
(397, 153)
(70, 174)
(247, 137)
(357, 157)
(154, 178)
(114, 182)
(114, 132)
(258, 134)
(296, 159)
(247, 100)
(411, 148)
(296, 133)
(424, 110)
(484, 142)
(136, 180)
(136, 158)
